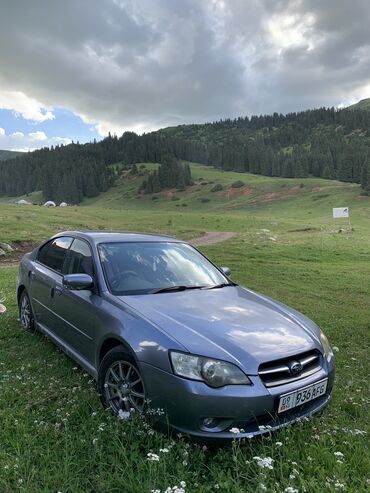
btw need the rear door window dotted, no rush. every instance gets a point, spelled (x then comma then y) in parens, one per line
(53, 254)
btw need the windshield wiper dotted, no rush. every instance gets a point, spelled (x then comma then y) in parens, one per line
(174, 288)
(221, 285)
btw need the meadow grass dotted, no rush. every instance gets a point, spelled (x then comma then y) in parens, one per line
(56, 437)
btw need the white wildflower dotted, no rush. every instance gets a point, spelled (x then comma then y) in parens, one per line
(359, 432)
(124, 415)
(289, 489)
(235, 431)
(264, 462)
(338, 454)
(339, 486)
(335, 349)
(164, 450)
(279, 444)
(152, 457)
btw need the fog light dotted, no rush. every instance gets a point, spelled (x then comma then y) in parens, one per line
(210, 422)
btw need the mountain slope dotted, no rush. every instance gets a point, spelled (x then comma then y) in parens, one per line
(325, 143)
(4, 155)
(217, 191)
(364, 104)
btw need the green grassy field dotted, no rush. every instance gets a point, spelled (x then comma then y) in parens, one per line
(54, 434)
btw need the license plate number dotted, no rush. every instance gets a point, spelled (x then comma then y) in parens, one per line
(300, 396)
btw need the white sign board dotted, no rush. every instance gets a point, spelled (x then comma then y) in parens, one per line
(340, 212)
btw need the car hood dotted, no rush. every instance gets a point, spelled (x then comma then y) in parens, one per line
(231, 323)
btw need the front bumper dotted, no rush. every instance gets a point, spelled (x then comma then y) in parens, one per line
(251, 408)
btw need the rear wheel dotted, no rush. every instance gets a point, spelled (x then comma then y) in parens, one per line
(26, 317)
(120, 383)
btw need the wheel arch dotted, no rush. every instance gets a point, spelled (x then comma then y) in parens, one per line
(110, 343)
(20, 290)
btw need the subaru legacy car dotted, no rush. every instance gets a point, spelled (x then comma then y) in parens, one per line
(158, 325)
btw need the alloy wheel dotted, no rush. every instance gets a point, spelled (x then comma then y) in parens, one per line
(124, 388)
(26, 313)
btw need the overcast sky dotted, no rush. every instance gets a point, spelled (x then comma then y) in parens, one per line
(76, 69)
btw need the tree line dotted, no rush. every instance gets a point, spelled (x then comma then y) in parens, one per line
(325, 142)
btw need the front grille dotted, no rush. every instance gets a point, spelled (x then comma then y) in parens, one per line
(280, 372)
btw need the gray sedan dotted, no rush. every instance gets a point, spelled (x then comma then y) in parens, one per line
(163, 330)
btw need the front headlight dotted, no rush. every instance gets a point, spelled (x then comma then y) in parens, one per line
(326, 346)
(213, 372)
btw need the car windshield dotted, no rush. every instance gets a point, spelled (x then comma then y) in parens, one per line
(149, 267)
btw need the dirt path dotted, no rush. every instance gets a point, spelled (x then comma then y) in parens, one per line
(212, 237)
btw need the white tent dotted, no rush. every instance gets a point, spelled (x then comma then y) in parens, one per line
(23, 202)
(50, 203)
(63, 204)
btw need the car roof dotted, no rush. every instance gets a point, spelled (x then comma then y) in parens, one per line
(102, 236)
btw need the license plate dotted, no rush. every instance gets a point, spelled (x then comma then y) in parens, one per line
(300, 396)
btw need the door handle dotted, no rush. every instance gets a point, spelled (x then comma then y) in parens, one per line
(58, 290)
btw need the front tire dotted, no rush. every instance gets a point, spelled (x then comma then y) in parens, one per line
(120, 383)
(26, 316)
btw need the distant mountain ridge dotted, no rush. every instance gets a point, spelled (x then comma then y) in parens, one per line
(4, 155)
(364, 104)
(325, 143)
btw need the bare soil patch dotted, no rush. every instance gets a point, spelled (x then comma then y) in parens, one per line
(20, 248)
(236, 192)
(283, 193)
(212, 237)
(169, 193)
(326, 187)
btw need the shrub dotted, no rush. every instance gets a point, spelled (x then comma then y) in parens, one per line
(204, 200)
(217, 188)
(237, 184)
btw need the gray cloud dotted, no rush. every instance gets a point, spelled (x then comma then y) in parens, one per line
(143, 64)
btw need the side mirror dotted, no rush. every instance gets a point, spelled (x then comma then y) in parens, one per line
(77, 282)
(226, 271)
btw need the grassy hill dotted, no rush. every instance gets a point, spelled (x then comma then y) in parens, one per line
(364, 104)
(306, 200)
(4, 155)
(281, 205)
